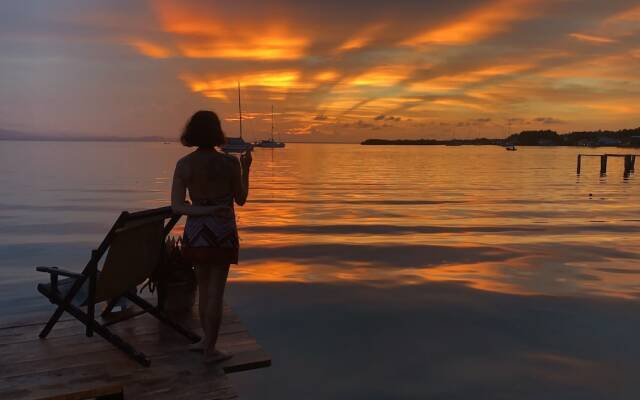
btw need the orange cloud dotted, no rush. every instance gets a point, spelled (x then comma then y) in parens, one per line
(338, 104)
(326, 76)
(382, 76)
(479, 24)
(591, 38)
(632, 14)
(201, 33)
(150, 49)
(270, 81)
(361, 39)
(247, 47)
(613, 107)
(454, 82)
(456, 104)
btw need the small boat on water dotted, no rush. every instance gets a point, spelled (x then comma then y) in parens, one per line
(510, 147)
(237, 144)
(270, 143)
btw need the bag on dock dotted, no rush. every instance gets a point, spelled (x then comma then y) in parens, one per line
(175, 280)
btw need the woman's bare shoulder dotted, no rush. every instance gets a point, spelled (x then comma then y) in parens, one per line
(183, 164)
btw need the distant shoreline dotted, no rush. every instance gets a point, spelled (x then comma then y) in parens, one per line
(88, 140)
(621, 138)
(126, 140)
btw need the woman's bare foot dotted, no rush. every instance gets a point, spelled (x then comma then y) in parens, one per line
(217, 356)
(197, 346)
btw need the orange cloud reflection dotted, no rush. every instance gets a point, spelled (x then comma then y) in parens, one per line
(276, 271)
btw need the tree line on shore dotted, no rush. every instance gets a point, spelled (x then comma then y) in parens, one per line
(621, 138)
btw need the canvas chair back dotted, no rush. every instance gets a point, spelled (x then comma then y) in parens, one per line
(134, 253)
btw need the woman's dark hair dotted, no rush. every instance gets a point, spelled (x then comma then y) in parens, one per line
(203, 130)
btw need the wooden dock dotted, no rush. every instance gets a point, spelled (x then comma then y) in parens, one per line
(68, 365)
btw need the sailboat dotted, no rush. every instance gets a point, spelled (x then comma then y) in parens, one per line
(270, 143)
(237, 144)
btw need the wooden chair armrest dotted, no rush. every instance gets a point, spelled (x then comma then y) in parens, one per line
(58, 271)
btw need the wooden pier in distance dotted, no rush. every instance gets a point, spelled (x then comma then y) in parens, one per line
(629, 162)
(67, 365)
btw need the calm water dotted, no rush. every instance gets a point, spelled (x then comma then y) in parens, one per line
(381, 272)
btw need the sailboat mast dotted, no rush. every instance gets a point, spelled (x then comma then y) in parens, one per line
(240, 109)
(272, 122)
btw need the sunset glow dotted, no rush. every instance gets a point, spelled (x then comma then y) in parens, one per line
(330, 69)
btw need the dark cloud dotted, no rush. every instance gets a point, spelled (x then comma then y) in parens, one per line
(383, 117)
(359, 125)
(548, 120)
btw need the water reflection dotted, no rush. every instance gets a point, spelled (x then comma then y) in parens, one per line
(516, 223)
(437, 340)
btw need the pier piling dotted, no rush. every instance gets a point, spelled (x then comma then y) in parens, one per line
(629, 162)
(578, 164)
(603, 164)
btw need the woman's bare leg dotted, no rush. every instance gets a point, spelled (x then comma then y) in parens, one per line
(213, 311)
(204, 276)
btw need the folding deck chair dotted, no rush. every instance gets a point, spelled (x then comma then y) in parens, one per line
(134, 249)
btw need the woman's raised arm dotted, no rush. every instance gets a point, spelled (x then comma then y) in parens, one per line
(240, 178)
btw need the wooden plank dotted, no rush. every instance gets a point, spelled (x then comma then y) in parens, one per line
(86, 394)
(169, 378)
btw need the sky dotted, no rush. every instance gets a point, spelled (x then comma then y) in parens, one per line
(333, 70)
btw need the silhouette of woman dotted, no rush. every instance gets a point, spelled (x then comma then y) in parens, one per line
(214, 181)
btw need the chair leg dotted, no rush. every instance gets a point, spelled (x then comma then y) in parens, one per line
(121, 344)
(148, 307)
(52, 321)
(110, 337)
(62, 304)
(91, 305)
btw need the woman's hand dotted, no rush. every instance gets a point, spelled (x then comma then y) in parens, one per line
(241, 178)
(245, 160)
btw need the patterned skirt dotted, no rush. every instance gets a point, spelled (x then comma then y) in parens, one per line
(212, 239)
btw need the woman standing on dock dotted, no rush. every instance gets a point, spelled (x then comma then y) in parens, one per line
(215, 181)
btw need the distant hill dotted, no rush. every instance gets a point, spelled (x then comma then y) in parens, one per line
(621, 138)
(25, 136)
